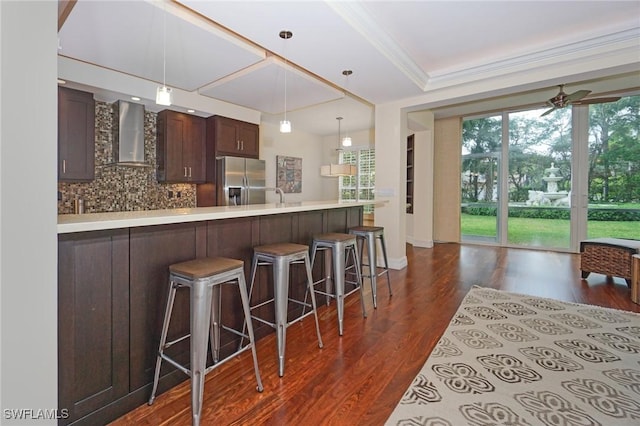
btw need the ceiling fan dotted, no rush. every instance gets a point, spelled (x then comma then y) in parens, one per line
(562, 99)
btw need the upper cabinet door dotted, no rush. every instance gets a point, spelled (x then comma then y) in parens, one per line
(180, 147)
(249, 134)
(234, 137)
(76, 135)
(193, 150)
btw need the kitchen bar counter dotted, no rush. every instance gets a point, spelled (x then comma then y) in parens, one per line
(102, 221)
(113, 271)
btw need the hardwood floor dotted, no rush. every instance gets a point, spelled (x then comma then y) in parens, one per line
(358, 379)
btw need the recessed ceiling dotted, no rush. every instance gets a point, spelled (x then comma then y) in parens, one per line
(439, 53)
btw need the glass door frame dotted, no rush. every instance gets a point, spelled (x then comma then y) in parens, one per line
(500, 222)
(579, 175)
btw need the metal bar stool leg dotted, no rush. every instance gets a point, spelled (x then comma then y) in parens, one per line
(252, 340)
(373, 272)
(281, 294)
(254, 269)
(338, 260)
(307, 264)
(214, 329)
(200, 318)
(163, 338)
(386, 262)
(356, 264)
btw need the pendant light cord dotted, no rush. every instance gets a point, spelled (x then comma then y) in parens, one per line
(164, 46)
(285, 83)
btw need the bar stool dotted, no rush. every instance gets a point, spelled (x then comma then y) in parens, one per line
(204, 277)
(371, 234)
(342, 246)
(281, 257)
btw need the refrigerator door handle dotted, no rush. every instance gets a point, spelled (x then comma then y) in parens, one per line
(245, 188)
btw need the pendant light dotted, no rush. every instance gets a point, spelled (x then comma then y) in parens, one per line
(335, 170)
(346, 141)
(285, 125)
(163, 93)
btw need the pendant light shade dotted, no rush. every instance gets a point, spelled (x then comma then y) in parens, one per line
(336, 170)
(346, 141)
(163, 96)
(285, 125)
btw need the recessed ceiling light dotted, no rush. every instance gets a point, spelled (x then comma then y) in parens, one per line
(135, 98)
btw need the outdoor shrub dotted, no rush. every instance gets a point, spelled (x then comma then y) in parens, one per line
(548, 212)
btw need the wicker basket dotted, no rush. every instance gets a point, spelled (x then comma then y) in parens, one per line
(608, 256)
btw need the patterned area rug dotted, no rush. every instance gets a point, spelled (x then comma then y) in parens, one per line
(512, 359)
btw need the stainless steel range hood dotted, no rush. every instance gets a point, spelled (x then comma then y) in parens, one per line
(128, 134)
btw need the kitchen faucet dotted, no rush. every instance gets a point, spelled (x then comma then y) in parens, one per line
(279, 192)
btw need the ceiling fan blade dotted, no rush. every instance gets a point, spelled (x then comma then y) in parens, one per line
(549, 111)
(597, 100)
(576, 96)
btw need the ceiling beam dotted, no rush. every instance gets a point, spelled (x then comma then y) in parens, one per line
(64, 10)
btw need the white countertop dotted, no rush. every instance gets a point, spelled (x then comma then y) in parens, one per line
(69, 223)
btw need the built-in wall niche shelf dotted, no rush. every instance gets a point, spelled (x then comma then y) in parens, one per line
(410, 159)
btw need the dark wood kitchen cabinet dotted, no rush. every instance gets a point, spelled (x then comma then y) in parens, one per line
(180, 147)
(233, 137)
(76, 135)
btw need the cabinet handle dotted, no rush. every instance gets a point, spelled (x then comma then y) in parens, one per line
(185, 172)
(64, 166)
(189, 171)
(242, 145)
(238, 145)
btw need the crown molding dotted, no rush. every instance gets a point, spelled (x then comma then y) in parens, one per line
(361, 20)
(619, 48)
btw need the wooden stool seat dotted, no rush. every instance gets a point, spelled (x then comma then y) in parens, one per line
(203, 267)
(280, 249)
(357, 229)
(333, 237)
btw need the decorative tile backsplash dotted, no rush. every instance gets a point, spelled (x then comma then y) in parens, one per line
(123, 188)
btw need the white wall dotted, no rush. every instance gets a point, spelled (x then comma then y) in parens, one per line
(28, 214)
(391, 164)
(295, 144)
(420, 223)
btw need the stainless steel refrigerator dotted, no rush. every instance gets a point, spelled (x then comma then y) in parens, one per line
(240, 181)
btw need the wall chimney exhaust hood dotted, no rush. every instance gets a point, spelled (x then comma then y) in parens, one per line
(128, 134)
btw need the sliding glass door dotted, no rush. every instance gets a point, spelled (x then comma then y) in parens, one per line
(566, 176)
(481, 146)
(539, 179)
(614, 169)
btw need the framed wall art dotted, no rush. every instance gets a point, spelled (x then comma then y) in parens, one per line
(289, 171)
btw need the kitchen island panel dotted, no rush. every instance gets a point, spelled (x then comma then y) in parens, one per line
(233, 238)
(113, 285)
(153, 249)
(93, 321)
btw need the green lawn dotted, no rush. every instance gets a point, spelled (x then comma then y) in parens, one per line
(545, 232)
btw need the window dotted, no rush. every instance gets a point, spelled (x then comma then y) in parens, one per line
(360, 187)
